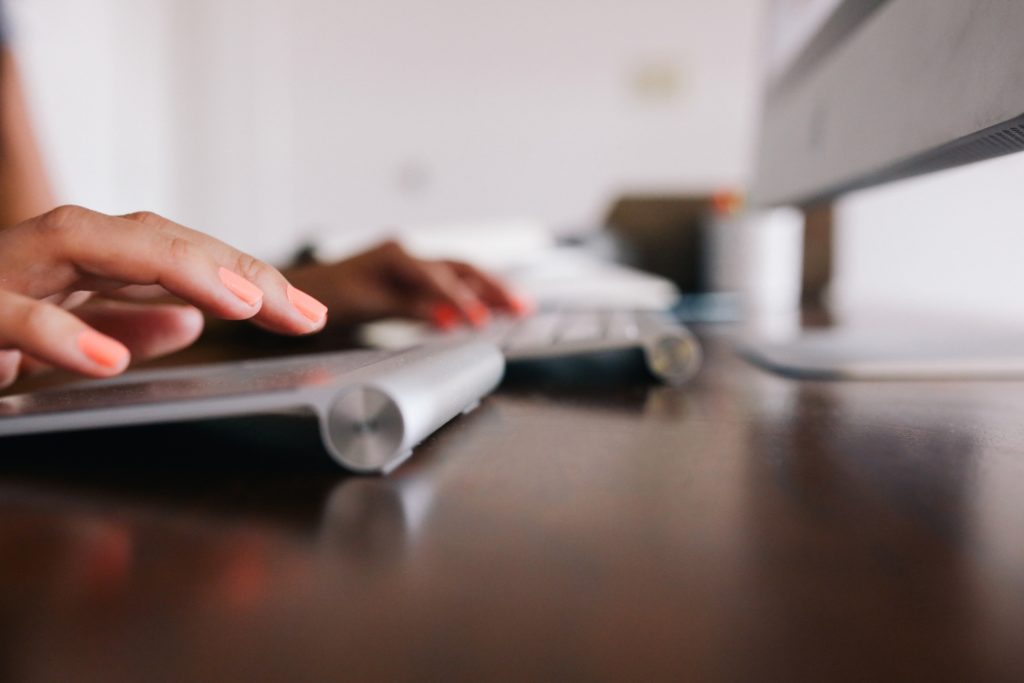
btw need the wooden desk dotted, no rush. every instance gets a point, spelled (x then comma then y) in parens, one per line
(746, 528)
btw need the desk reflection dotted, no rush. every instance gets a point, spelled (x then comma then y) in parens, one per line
(376, 521)
(826, 531)
(890, 502)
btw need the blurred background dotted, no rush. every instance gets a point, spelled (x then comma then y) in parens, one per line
(271, 123)
(263, 120)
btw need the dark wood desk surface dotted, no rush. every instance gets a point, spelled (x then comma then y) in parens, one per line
(747, 527)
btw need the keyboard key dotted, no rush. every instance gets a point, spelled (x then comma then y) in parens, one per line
(581, 327)
(622, 326)
(534, 332)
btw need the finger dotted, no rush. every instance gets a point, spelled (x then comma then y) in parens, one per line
(69, 300)
(55, 336)
(113, 251)
(107, 252)
(446, 295)
(457, 298)
(138, 293)
(491, 290)
(285, 308)
(32, 366)
(10, 363)
(148, 330)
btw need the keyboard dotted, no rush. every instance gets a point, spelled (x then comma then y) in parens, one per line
(671, 352)
(371, 407)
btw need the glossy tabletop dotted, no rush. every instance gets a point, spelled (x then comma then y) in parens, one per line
(582, 524)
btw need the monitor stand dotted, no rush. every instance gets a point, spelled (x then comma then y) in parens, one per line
(901, 350)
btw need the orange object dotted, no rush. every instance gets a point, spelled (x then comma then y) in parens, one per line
(727, 202)
(103, 350)
(314, 310)
(240, 287)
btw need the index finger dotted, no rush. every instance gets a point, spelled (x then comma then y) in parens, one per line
(285, 308)
(494, 293)
(111, 251)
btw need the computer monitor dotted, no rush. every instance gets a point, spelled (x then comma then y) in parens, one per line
(888, 89)
(885, 90)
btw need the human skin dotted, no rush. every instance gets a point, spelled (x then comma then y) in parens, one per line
(52, 265)
(25, 189)
(388, 281)
(39, 275)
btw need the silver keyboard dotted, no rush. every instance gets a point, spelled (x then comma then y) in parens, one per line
(671, 351)
(373, 407)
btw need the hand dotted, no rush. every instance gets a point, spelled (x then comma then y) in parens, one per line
(55, 262)
(388, 281)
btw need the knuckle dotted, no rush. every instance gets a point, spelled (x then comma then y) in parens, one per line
(435, 276)
(64, 218)
(253, 269)
(440, 272)
(180, 251)
(393, 247)
(453, 270)
(146, 218)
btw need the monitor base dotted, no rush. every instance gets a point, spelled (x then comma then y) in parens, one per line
(885, 355)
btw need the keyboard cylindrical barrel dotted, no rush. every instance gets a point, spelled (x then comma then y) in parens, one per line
(373, 425)
(672, 352)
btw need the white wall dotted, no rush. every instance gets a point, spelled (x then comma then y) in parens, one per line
(104, 126)
(263, 121)
(952, 243)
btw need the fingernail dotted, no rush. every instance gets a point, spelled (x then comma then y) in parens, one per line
(103, 350)
(240, 287)
(445, 317)
(307, 305)
(522, 306)
(479, 315)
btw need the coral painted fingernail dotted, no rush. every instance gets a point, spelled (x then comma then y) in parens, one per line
(103, 350)
(306, 305)
(479, 315)
(240, 287)
(445, 317)
(522, 306)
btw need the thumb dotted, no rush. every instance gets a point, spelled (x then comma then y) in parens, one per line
(10, 362)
